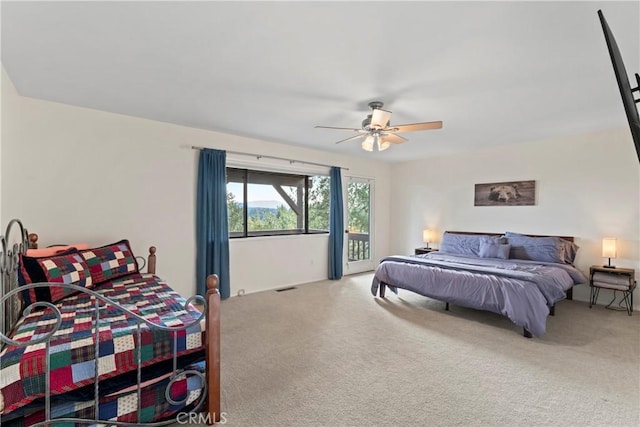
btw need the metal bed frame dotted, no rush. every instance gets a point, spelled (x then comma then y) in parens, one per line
(11, 308)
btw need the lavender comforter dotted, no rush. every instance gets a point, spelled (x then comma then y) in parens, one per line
(521, 290)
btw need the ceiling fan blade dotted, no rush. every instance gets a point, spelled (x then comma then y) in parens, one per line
(380, 118)
(393, 138)
(416, 126)
(333, 127)
(362, 135)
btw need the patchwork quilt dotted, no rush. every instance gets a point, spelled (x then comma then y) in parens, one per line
(123, 406)
(72, 348)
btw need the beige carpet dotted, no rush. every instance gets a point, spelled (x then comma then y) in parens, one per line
(330, 354)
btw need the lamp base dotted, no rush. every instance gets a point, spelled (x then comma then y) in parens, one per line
(609, 265)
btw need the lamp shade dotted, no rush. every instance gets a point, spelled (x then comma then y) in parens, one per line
(383, 145)
(367, 144)
(609, 247)
(426, 236)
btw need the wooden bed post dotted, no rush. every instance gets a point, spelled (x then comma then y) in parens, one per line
(151, 263)
(213, 348)
(33, 241)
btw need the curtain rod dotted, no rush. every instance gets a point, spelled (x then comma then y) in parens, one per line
(262, 156)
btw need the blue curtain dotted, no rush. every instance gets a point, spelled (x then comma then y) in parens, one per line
(212, 231)
(336, 224)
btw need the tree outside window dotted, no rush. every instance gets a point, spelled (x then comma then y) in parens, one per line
(275, 204)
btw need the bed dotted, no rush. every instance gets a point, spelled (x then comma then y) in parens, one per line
(516, 275)
(87, 337)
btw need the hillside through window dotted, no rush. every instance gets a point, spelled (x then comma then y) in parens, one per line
(267, 203)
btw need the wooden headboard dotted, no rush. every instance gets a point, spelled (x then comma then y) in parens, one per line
(569, 238)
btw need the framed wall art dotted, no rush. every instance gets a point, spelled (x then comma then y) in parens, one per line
(513, 193)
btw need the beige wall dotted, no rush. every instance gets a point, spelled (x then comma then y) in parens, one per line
(79, 175)
(7, 109)
(588, 186)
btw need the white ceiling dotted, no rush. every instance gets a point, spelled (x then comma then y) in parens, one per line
(493, 72)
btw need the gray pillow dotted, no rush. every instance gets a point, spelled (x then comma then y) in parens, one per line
(466, 244)
(543, 249)
(494, 250)
(570, 251)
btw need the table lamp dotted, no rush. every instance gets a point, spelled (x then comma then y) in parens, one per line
(609, 250)
(426, 237)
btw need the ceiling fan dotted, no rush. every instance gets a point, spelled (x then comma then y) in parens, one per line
(378, 132)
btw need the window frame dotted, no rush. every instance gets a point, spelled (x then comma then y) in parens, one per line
(243, 174)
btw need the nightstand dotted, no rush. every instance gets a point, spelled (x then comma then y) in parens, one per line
(617, 279)
(420, 251)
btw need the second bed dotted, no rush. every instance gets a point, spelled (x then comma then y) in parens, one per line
(496, 278)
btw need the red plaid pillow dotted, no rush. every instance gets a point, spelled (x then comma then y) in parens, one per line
(67, 269)
(110, 261)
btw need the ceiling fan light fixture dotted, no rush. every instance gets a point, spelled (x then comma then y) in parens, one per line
(379, 133)
(383, 145)
(367, 144)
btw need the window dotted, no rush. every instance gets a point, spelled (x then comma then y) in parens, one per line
(267, 203)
